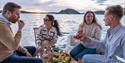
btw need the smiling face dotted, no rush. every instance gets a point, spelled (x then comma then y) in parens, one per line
(47, 21)
(108, 18)
(89, 18)
(112, 15)
(11, 11)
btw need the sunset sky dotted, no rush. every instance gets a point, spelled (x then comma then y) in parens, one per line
(57, 5)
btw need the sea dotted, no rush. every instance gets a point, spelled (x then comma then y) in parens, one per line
(68, 23)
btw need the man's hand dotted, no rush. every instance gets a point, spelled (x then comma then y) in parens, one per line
(28, 54)
(83, 37)
(20, 25)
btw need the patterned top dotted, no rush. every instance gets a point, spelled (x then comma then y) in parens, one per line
(43, 35)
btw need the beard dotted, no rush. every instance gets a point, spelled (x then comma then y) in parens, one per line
(13, 20)
(107, 23)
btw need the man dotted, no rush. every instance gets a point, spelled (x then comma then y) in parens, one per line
(114, 42)
(10, 43)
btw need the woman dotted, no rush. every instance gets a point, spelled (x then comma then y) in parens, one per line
(91, 28)
(47, 35)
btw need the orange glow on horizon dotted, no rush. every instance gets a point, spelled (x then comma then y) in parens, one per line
(34, 10)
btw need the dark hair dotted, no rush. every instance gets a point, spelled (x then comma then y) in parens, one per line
(116, 10)
(54, 24)
(10, 6)
(94, 19)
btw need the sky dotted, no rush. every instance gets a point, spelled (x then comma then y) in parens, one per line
(57, 5)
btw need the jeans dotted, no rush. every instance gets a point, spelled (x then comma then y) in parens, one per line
(78, 51)
(94, 58)
(18, 57)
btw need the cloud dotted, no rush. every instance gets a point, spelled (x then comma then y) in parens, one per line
(27, 4)
(44, 1)
(78, 4)
(100, 1)
(57, 5)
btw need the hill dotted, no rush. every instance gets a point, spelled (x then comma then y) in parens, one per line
(99, 12)
(68, 11)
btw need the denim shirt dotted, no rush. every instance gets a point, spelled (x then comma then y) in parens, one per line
(113, 44)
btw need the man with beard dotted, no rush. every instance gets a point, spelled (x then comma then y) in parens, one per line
(10, 43)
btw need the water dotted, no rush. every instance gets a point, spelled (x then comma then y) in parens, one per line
(68, 23)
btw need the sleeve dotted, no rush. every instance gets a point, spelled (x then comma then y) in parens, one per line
(7, 38)
(38, 36)
(80, 27)
(97, 44)
(124, 49)
(123, 45)
(97, 33)
(55, 36)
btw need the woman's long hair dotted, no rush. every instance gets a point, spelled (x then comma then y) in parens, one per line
(54, 24)
(93, 21)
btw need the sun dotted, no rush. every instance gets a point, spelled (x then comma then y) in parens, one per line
(38, 10)
(34, 10)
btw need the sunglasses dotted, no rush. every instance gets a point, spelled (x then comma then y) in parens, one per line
(46, 19)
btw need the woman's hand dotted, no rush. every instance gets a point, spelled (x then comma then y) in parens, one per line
(84, 38)
(52, 42)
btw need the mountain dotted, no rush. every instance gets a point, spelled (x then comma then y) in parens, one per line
(34, 12)
(65, 11)
(99, 12)
(68, 11)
